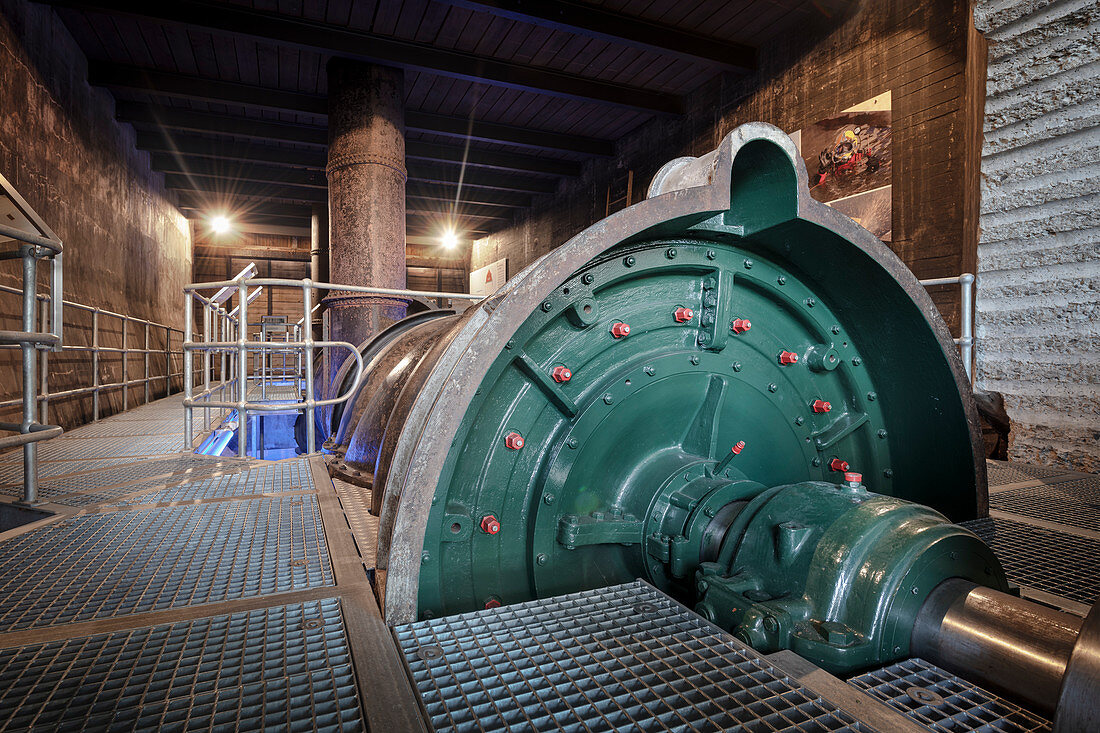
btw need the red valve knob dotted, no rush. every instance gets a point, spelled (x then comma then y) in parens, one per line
(489, 524)
(492, 603)
(513, 441)
(561, 374)
(740, 325)
(820, 406)
(787, 357)
(683, 315)
(620, 329)
(838, 465)
(853, 478)
(739, 447)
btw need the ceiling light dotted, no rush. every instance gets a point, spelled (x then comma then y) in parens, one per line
(449, 239)
(220, 224)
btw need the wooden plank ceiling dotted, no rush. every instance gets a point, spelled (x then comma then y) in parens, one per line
(229, 97)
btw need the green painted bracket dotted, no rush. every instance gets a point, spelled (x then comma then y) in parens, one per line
(599, 529)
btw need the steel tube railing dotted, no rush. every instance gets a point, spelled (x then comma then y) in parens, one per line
(234, 342)
(45, 396)
(965, 281)
(30, 430)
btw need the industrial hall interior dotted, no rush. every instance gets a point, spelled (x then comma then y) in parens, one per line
(550, 365)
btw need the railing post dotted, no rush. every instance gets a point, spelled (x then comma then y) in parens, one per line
(188, 316)
(44, 389)
(125, 367)
(311, 428)
(206, 325)
(167, 361)
(242, 368)
(147, 362)
(95, 365)
(30, 450)
(966, 328)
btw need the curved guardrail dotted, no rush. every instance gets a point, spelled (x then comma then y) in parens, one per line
(232, 325)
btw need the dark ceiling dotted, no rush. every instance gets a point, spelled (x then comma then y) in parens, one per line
(229, 97)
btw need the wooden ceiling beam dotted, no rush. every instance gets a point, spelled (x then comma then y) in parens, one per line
(159, 140)
(331, 39)
(315, 178)
(316, 135)
(593, 21)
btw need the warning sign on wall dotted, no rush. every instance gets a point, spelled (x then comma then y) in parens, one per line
(487, 280)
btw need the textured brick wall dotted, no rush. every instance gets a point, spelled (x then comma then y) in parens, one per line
(127, 249)
(1038, 303)
(916, 49)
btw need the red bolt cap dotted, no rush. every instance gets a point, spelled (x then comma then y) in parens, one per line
(513, 441)
(561, 374)
(489, 524)
(740, 325)
(683, 315)
(492, 603)
(853, 477)
(620, 329)
(838, 465)
(787, 357)
(820, 406)
(738, 448)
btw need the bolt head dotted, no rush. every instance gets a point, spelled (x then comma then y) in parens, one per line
(683, 315)
(838, 465)
(514, 441)
(820, 406)
(490, 524)
(788, 357)
(740, 325)
(620, 329)
(561, 374)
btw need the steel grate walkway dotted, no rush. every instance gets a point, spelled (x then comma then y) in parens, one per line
(283, 667)
(945, 703)
(614, 659)
(177, 591)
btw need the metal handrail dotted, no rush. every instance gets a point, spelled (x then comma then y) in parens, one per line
(30, 431)
(965, 281)
(216, 319)
(45, 396)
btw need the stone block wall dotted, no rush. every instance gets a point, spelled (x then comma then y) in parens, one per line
(127, 248)
(1038, 296)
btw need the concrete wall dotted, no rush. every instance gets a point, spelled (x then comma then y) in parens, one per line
(127, 248)
(1038, 305)
(917, 50)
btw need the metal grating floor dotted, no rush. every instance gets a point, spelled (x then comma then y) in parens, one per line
(291, 475)
(355, 501)
(277, 392)
(103, 565)
(1074, 503)
(283, 667)
(623, 658)
(943, 702)
(1054, 562)
(1002, 473)
(91, 483)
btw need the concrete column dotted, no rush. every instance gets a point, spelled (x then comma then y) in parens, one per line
(366, 196)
